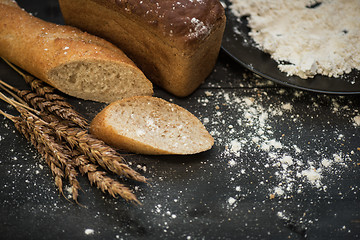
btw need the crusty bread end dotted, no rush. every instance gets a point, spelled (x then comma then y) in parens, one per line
(74, 62)
(149, 125)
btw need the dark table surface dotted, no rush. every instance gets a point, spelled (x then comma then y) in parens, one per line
(285, 165)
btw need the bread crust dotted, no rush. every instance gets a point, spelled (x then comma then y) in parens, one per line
(103, 128)
(40, 47)
(175, 48)
(187, 22)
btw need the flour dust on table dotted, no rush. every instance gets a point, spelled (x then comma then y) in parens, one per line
(279, 148)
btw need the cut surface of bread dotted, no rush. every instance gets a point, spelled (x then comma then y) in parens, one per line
(150, 125)
(74, 62)
(100, 80)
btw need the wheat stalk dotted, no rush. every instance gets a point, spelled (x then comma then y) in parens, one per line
(96, 150)
(59, 157)
(41, 137)
(83, 162)
(90, 148)
(35, 84)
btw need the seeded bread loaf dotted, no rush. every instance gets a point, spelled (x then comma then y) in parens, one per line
(174, 42)
(149, 125)
(72, 61)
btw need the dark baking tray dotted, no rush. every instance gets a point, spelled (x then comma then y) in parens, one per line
(242, 48)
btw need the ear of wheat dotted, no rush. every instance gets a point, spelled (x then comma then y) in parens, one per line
(96, 150)
(64, 146)
(42, 134)
(101, 179)
(62, 159)
(54, 165)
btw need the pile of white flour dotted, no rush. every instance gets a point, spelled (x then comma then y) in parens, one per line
(306, 37)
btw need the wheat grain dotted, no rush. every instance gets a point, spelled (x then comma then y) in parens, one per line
(22, 127)
(101, 180)
(97, 151)
(59, 108)
(41, 133)
(55, 107)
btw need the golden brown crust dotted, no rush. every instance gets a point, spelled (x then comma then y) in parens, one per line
(39, 47)
(45, 45)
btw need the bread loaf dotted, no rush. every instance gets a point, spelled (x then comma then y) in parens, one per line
(72, 61)
(174, 42)
(149, 125)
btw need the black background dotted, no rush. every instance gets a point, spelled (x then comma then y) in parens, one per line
(189, 195)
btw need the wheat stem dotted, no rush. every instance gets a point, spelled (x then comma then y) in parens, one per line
(17, 104)
(16, 69)
(10, 91)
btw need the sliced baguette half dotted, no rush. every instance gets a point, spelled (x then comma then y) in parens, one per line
(74, 62)
(150, 125)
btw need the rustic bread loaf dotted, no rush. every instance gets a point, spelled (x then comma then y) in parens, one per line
(174, 42)
(149, 125)
(72, 61)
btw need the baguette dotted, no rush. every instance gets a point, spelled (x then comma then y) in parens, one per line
(74, 62)
(175, 43)
(149, 125)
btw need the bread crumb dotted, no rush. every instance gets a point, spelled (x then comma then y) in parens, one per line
(235, 147)
(287, 106)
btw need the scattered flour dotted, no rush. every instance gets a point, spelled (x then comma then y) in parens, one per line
(313, 175)
(231, 200)
(279, 191)
(256, 135)
(326, 162)
(357, 120)
(89, 231)
(235, 147)
(306, 37)
(199, 28)
(286, 161)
